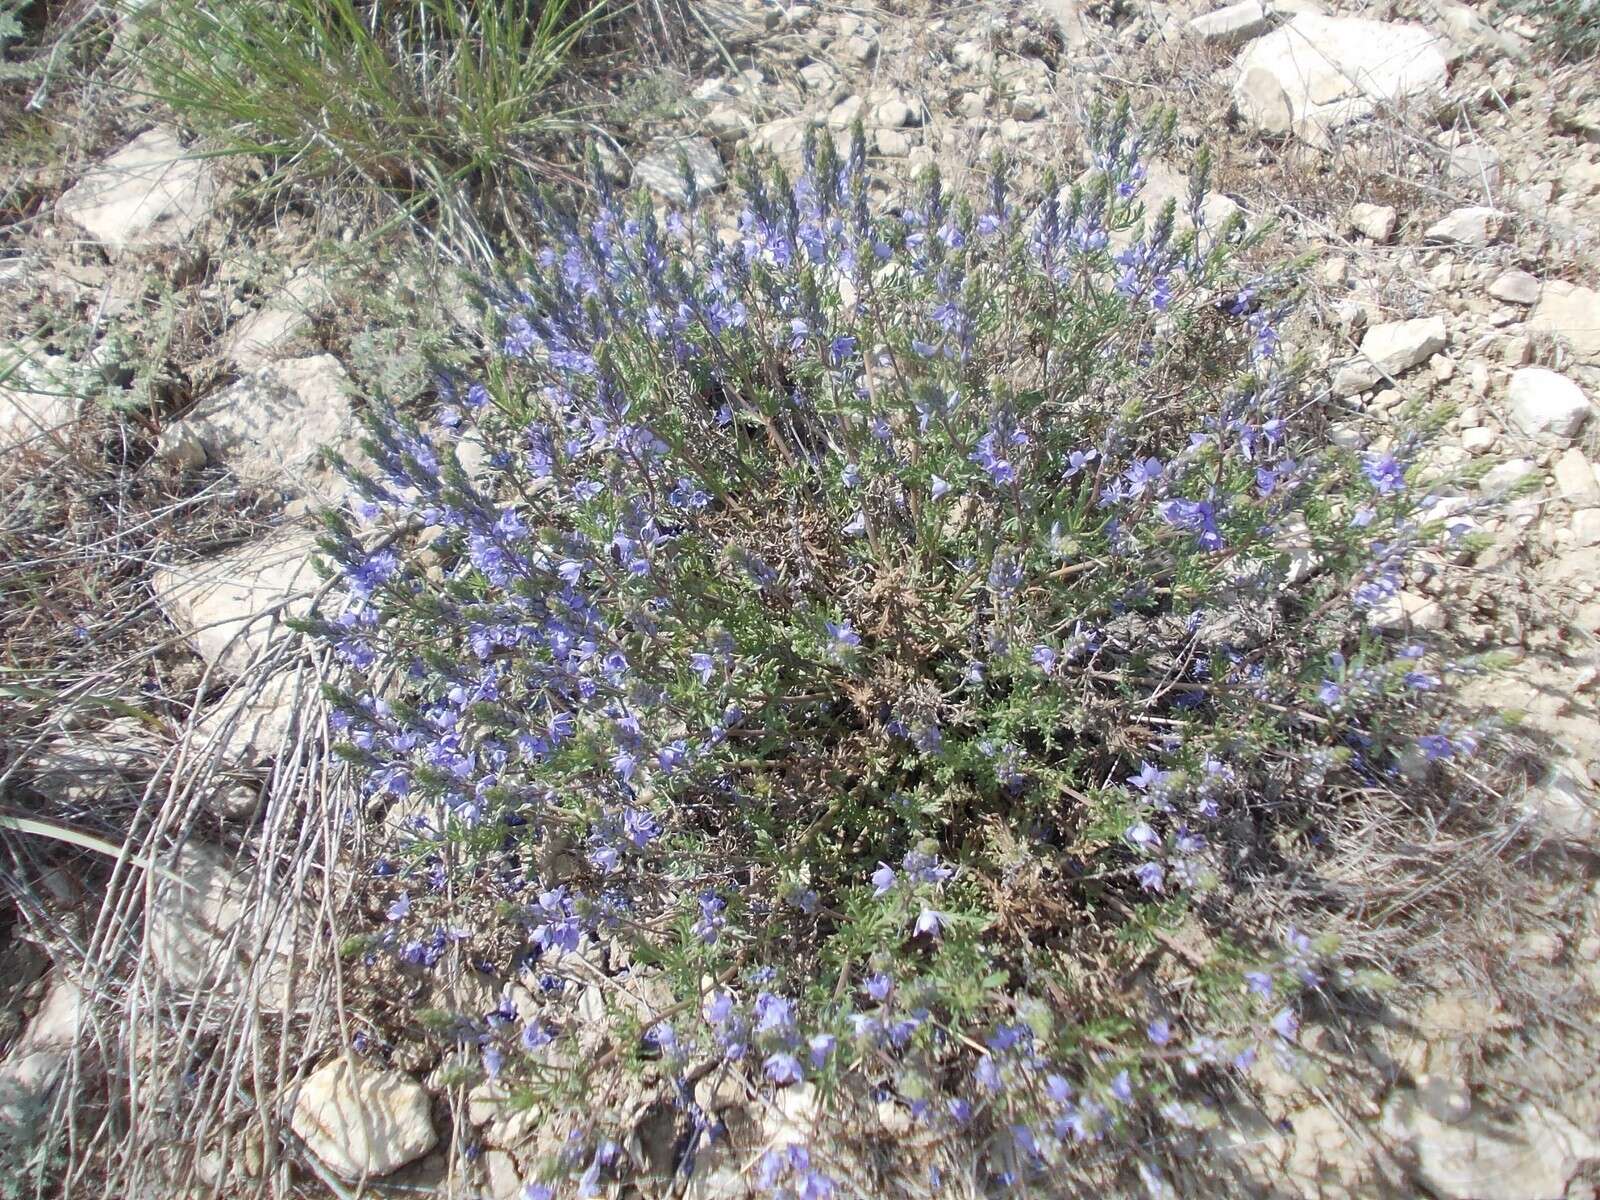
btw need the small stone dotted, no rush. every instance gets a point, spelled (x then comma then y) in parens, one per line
(1515, 287)
(1474, 226)
(1335, 272)
(818, 77)
(210, 932)
(1479, 440)
(1563, 801)
(1376, 222)
(1443, 368)
(36, 1062)
(149, 194)
(1544, 403)
(1390, 350)
(1027, 108)
(893, 113)
(1575, 479)
(1572, 314)
(661, 170)
(1320, 72)
(361, 1122)
(1516, 350)
(859, 49)
(1235, 23)
(784, 138)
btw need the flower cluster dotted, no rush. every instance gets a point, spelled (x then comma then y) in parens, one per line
(861, 620)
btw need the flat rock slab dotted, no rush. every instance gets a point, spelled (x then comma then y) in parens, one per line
(1318, 73)
(232, 607)
(661, 170)
(269, 427)
(150, 194)
(246, 733)
(362, 1122)
(260, 338)
(1571, 313)
(36, 401)
(209, 932)
(1532, 1156)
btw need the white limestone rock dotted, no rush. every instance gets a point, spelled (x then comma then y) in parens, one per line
(1233, 23)
(1532, 1156)
(1515, 287)
(259, 337)
(150, 194)
(270, 427)
(361, 1122)
(661, 170)
(231, 607)
(1571, 313)
(1388, 351)
(1376, 222)
(209, 932)
(1475, 225)
(37, 1060)
(38, 400)
(1318, 73)
(1545, 404)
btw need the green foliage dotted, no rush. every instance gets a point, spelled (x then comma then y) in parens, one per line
(435, 102)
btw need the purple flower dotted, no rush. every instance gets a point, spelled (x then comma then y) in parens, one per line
(1159, 1031)
(879, 986)
(1259, 982)
(719, 1007)
(783, 1069)
(1385, 474)
(821, 1047)
(1044, 658)
(940, 488)
(1151, 876)
(1330, 693)
(1141, 835)
(883, 880)
(930, 922)
(1286, 1024)
(1435, 746)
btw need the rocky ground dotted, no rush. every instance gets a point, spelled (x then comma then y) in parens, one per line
(1441, 169)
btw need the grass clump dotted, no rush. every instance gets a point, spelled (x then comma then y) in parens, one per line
(880, 656)
(436, 103)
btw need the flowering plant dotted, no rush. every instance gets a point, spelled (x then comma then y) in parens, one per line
(842, 649)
